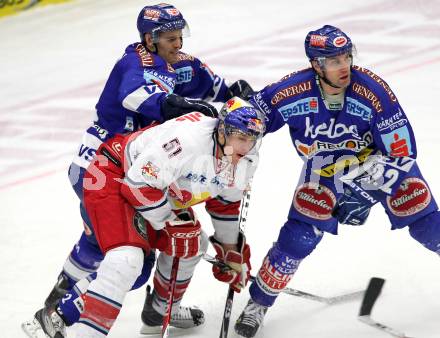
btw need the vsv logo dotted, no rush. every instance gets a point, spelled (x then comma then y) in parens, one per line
(86, 152)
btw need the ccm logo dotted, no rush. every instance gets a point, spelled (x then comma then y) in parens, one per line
(187, 235)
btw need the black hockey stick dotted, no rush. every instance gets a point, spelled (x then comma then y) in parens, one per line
(230, 297)
(170, 300)
(294, 292)
(373, 291)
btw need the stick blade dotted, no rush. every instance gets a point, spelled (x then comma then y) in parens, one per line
(373, 291)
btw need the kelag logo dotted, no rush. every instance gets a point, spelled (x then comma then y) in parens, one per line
(300, 107)
(354, 107)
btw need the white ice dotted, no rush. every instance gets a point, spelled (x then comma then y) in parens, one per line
(53, 64)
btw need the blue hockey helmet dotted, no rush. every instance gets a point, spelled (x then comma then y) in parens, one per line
(327, 41)
(160, 18)
(240, 117)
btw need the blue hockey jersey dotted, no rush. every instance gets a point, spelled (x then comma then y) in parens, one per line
(133, 94)
(371, 116)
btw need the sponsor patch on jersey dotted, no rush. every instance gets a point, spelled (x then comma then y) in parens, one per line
(181, 198)
(166, 83)
(369, 95)
(146, 57)
(184, 74)
(340, 41)
(291, 91)
(391, 123)
(140, 225)
(412, 196)
(314, 200)
(150, 170)
(330, 130)
(379, 80)
(334, 168)
(300, 107)
(398, 142)
(317, 147)
(317, 41)
(262, 105)
(358, 109)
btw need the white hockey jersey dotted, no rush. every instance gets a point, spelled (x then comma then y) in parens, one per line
(176, 165)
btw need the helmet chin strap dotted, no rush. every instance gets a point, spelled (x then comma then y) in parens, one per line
(327, 81)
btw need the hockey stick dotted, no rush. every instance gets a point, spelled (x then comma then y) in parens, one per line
(373, 291)
(294, 292)
(230, 297)
(172, 288)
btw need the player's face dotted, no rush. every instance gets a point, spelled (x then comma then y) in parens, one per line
(337, 69)
(169, 44)
(238, 145)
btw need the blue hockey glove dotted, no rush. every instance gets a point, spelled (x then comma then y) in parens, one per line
(241, 89)
(353, 207)
(174, 106)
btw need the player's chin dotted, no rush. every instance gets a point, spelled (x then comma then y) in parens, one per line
(172, 58)
(236, 158)
(344, 80)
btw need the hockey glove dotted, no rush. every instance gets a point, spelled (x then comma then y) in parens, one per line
(174, 106)
(241, 89)
(353, 207)
(180, 237)
(239, 266)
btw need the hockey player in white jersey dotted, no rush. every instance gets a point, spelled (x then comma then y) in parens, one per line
(139, 192)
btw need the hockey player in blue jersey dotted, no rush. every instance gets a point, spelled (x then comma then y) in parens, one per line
(152, 82)
(358, 149)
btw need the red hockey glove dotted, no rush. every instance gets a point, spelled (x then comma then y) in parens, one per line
(180, 238)
(238, 261)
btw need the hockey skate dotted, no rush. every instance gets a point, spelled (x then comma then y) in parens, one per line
(58, 292)
(45, 324)
(184, 318)
(250, 319)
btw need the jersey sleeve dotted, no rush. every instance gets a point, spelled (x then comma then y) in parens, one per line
(394, 138)
(144, 84)
(263, 101)
(196, 80)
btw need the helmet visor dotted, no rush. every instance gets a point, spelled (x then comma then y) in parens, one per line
(171, 26)
(333, 63)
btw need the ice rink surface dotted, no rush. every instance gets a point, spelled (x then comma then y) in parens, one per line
(53, 64)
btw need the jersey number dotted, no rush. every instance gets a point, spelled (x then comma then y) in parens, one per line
(173, 147)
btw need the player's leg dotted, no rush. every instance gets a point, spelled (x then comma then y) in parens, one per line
(105, 294)
(83, 260)
(414, 206)
(296, 240)
(156, 302)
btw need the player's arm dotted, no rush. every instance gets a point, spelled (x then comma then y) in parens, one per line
(262, 100)
(229, 243)
(384, 170)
